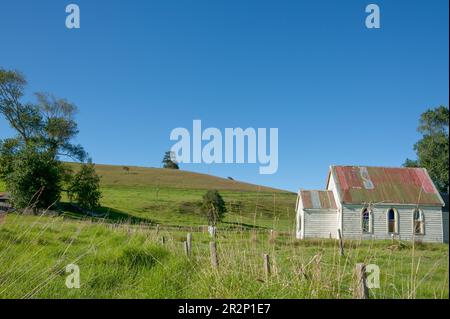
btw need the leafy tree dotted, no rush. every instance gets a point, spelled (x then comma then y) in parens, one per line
(47, 124)
(58, 126)
(169, 162)
(24, 118)
(8, 149)
(213, 206)
(30, 161)
(85, 187)
(433, 148)
(34, 179)
(126, 169)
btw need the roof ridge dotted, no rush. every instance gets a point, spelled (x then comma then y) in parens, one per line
(374, 166)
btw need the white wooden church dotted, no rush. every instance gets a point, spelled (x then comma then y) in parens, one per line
(374, 203)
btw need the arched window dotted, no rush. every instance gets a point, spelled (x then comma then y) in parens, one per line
(418, 222)
(366, 221)
(392, 221)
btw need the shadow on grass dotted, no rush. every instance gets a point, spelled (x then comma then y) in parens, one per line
(243, 225)
(104, 214)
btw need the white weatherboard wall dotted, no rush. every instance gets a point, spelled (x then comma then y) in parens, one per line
(319, 223)
(331, 186)
(352, 227)
(299, 218)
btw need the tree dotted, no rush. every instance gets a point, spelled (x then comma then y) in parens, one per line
(24, 118)
(8, 150)
(411, 163)
(433, 148)
(30, 161)
(85, 187)
(213, 207)
(169, 162)
(58, 126)
(34, 179)
(47, 124)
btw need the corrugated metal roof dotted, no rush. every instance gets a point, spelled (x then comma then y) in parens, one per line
(361, 184)
(317, 199)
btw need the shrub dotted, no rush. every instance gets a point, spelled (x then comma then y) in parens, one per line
(34, 179)
(85, 188)
(214, 207)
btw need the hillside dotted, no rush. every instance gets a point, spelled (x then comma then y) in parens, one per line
(113, 175)
(173, 197)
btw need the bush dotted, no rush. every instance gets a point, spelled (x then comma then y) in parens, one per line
(85, 188)
(213, 206)
(34, 179)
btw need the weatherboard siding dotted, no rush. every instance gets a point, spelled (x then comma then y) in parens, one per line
(352, 228)
(319, 223)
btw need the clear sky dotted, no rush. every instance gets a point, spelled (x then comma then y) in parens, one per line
(338, 92)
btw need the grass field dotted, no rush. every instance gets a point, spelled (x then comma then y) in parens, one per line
(129, 261)
(121, 255)
(173, 197)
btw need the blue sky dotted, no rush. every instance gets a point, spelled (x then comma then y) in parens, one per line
(338, 92)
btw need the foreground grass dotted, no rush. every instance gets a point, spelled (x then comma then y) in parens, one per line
(129, 261)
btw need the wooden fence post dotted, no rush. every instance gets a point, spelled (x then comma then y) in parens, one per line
(341, 244)
(186, 248)
(212, 231)
(361, 291)
(214, 260)
(266, 266)
(189, 243)
(157, 229)
(163, 240)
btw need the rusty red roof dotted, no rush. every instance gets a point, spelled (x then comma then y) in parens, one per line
(364, 184)
(317, 199)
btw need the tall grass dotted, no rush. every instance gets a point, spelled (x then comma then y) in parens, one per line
(128, 261)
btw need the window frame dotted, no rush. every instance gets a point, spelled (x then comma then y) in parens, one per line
(396, 221)
(370, 225)
(422, 221)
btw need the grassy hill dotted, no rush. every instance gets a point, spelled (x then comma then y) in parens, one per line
(173, 197)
